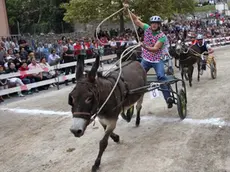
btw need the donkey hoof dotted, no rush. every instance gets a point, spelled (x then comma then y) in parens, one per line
(116, 138)
(95, 167)
(137, 122)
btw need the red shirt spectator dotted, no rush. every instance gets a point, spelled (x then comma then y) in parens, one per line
(24, 67)
(77, 48)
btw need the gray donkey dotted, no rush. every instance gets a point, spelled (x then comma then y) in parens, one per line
(92, 90)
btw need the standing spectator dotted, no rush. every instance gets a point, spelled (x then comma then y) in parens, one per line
(68, 56)
(70, 45)
(46, 52)
(2, 53)
(39, 50)
(6, 43)
(23, 44)
(77, 48)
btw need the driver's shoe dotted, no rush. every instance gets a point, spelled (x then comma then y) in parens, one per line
(170, 102)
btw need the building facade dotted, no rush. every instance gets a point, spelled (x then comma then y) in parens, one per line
(4, 29)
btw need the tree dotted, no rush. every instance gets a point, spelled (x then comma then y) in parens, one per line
(36, 16)
(145, 8)
(183, 6)
(85, 11)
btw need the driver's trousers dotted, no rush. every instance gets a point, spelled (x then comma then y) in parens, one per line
(160, 72)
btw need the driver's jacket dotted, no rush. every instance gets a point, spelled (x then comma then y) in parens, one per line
(204, 46)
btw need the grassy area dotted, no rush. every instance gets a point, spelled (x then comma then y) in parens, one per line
(205, 8)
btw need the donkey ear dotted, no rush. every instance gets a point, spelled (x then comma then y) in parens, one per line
(80, 67)
(93, 72)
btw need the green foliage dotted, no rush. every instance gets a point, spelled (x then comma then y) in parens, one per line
(183, 6)
(87, 10)
(205, 8)
(35, 16)
(145, 8)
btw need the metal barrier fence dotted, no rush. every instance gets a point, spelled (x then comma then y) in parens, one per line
(57, 79)
(213, 42)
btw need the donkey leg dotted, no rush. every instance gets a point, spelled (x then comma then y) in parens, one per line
(190, 72)
(198, 68)
(129, 113)
(139, 107)
(115, 137)
(181, 72)
(110, 126)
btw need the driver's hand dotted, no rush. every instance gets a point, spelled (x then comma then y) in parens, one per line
(126, 6)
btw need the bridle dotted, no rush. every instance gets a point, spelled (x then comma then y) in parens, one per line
(89, 116)
(193, 53)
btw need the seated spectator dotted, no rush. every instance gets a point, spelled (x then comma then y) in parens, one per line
(34, 65)
(9, 57)
(113, 45)
(27, 78)
(48, 73)
(23, 54)
(15, 80)
(7, 60)
(17, 60)
(53, 58)
(30, 57)
(3, 82)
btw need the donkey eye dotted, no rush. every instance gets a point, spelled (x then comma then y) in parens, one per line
(88, 100)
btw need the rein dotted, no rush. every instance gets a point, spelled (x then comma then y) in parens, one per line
(127, 51)
(193, 53)
(93, 115)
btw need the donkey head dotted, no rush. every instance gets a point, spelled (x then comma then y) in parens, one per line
(84, 97)
(181, 47)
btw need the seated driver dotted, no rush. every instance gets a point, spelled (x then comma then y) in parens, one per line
(203, 45)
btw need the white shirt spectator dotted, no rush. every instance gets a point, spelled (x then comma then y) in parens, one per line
(53, 58)
(113, 43)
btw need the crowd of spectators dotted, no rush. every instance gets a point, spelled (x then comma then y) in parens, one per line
(21, 54)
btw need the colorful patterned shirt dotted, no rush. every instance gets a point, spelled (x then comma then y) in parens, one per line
(150, 39)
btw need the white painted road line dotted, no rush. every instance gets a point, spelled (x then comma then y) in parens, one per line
(211, 121)
(36, 111)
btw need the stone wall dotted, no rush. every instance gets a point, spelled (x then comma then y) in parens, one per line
(89, 28)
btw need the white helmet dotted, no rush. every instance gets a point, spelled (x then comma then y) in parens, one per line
(199, 37)
(156, 19)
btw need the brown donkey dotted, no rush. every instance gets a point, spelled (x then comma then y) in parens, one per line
(92, 90)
